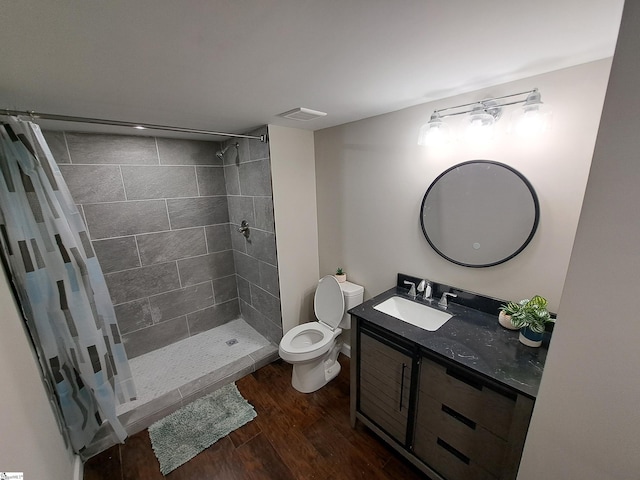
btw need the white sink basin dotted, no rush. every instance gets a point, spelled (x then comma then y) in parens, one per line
(414, 313)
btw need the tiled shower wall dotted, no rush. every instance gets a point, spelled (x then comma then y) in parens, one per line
(158, 215)
(247, 171)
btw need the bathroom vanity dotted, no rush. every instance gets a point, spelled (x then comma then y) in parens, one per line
(457, 401)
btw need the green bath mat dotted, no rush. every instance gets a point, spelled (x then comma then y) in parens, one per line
(182, 435)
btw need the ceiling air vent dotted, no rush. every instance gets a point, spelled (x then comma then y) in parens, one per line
(302, 114)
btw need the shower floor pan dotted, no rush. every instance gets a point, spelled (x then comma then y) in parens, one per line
(176, 375)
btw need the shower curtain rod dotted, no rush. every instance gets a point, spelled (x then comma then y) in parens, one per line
(118, 123)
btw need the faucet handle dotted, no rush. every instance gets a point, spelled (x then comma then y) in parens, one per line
(412, 290)
(443, 301)
(421, 286)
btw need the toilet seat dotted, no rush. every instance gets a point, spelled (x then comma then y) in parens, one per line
(298, 344)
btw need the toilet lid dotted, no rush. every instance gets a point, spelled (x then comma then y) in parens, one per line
(328, 301)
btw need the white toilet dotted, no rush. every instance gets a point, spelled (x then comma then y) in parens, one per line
(312, 347)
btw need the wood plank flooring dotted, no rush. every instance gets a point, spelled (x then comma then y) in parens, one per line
(295, 436)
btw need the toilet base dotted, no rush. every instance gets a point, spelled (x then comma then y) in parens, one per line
(310, 376)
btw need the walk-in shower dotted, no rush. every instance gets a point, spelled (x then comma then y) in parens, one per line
(163, 215)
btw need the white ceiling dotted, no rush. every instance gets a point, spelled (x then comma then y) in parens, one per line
(231, 65)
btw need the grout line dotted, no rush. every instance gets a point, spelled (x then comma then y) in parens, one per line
(155, 139)
(206, 242)
(66, 144)
(124, 188)
(155, 199)
(166, 205)
(135, 239)
(179, 278)
(195, 171)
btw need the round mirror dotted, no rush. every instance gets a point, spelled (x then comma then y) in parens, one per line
(479, 213)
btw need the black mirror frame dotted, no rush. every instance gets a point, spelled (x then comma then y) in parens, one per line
(505, 259)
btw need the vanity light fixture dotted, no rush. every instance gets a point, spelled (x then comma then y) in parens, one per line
(531, 117)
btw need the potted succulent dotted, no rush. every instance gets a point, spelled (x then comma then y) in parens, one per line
(340, 275)
(531, 317)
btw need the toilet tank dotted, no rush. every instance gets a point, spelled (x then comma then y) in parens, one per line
(353, 295)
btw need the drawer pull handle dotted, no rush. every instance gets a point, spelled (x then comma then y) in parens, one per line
(458, 416)
(463, 458)
(464, 379)
(404, 366)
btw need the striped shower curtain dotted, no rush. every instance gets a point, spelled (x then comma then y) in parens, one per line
(63, 295)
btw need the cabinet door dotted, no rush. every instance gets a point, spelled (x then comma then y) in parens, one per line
(462, 426)
(385, 383)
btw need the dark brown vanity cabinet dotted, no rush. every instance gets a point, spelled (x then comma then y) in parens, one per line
(446, 419)
(385, 384)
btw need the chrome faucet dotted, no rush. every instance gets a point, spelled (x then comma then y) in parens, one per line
(412, 290)
(425, 287)
(443, 301)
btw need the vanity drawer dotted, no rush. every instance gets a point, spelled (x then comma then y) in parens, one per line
(384, 387)
(468, 438)
(466, 396)
(447, 460)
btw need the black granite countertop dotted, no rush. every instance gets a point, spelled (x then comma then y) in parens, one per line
(473, 339)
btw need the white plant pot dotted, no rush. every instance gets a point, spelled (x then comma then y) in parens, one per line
(341, 278)
(505, 321)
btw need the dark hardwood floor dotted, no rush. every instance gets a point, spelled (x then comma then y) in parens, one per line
(294, 436)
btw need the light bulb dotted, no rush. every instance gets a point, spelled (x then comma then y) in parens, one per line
(479, 125)
(435, 132)
(532, 119)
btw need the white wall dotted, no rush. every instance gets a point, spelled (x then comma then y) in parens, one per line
(30, 441)
(294, 200)
(371, 177)
(586, 422)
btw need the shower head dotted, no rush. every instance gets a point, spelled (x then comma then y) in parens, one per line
(221, 153)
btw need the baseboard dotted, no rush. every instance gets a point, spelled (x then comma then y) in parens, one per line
(78, 468)
(346, 350)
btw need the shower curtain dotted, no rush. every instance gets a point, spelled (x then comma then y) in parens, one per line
(50, 261)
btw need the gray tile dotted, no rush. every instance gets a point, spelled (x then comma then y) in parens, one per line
(241, 208)
(126, 218)
(174, 245)
(133, 316)
(117, 149)
(238, 240)
(147, 182)
(94, 183)
(211, 181)
(257, 149)
(196, 212)
(188, 152)
(262, 245)
(244, 290)
(218, 237)
(235, 156)
(142, 282)
(213, 316)
(225, 289)
(266, 304)
(223, 376)
(146, 412)
(58, 146)
(180, 302)
(269, 330)
(206, 267)
(263, 208)
(264, 356)
(157, 336)
(253, 318)
(247, 267)
(255, 178)
(115, 254)
(232, 180)
(269, 279)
